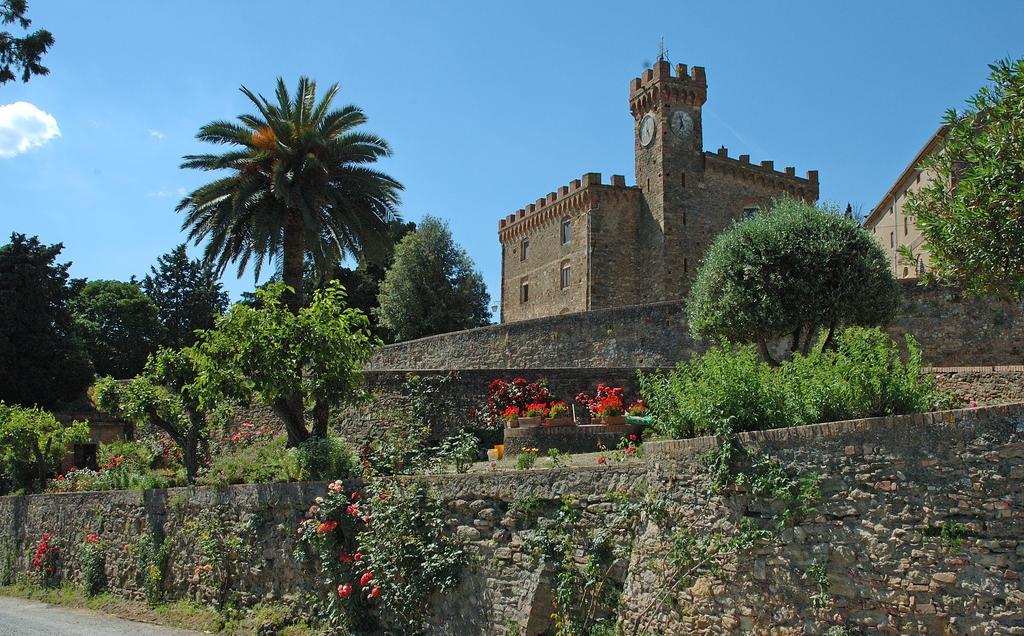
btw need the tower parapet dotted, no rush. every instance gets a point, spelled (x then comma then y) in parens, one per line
(658, 84)
(560, 202)
(805, 187)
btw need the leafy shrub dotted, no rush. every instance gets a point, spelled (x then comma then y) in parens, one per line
(131, 454)
(459, 450)
(726, 382)
(863, 375)
(320, 458)
(257, 464)
(92, 568)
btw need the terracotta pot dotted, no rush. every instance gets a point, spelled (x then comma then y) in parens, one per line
(552, 422)
(530, 422)
(614, 420)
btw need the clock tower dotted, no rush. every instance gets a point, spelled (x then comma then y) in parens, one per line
(669, 153)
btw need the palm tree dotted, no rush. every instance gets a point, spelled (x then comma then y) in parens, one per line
(300, 186)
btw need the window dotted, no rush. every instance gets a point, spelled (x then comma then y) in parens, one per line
(566, 227)
(750, 211)
(524, 249)
(524, 291)
(566, 269)
(892, 239)
(905, 226)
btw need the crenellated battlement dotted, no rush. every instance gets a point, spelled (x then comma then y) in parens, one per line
(659, 84)
(741, 167)
(578, 192)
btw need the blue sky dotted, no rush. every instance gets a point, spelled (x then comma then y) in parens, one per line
(488, 106)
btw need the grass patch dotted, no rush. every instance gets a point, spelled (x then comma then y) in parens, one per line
(277, 618)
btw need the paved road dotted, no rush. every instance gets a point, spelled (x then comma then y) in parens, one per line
(19, 617)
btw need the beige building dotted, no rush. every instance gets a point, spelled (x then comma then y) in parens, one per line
(892, 227)
(595, 244)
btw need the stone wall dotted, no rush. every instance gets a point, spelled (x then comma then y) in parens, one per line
(888, 488)
(986, 385)
(952, 331)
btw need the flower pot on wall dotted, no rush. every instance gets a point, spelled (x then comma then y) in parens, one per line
(530, 422)
(512, 423)
(613, 420)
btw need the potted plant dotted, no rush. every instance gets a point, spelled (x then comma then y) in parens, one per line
(608, 411)
(511, 416)
(558, 415)
(606, 405)
(533, 415)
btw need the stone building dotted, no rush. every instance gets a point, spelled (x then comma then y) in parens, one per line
(593, 244)
(890, 224)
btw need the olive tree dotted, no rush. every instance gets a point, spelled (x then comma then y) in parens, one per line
(972, 213)
(795, 270)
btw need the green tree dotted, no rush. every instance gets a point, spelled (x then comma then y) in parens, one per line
(432, 287)
(119, 325)
(300, 185)
(177, 393)
(188, 296)
(43, 359)
(795, 270)
(21, 55)
(302, 365)
(32, 443)
(972, 213)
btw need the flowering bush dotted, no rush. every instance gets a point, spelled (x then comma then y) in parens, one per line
(510, 413)
(248, 433)
(527, 458)
(539, 409)
(92, 565)
(45, 559)
(637, 409)
(518, 393)
(558, 409)
(606, 402)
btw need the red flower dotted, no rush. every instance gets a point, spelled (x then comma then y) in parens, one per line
(345, 557)
(344, 590)
(92, 538)
(326, 527)
(375, 592)
(357, 556)
(602, 460)
(632, 437)
(365, 578)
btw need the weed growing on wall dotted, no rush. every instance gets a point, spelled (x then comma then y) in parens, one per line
(817, 571)
(8, 561)
(221, 548)
(151, 552)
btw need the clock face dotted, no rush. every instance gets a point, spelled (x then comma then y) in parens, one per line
(681, 123)
(647, 130)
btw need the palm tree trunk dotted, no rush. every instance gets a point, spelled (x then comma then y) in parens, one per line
(294, 256)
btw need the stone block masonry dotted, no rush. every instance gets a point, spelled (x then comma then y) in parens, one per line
(919, 528)
(953, 331)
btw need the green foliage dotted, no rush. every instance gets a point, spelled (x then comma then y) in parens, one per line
(32, 442)
(409, 547)
(256, 464)
(864, 375)
(794, 270)
(135, 455)
(432, 287)
(8, 561)
(187, 294)
(293, 362)
(151, 553)
(21, 55)
(951, 534)
(459, 450)
(526, 458)
(974, 230)
(118, 324)
(557, 458)
(44, 361)
(299, 184)
(92, 566)
(817, 571)
(323, 458)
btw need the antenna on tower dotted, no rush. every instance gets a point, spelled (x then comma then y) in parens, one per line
(662, 53)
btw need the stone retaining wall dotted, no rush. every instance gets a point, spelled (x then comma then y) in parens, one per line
(952, 331)
(889, 486)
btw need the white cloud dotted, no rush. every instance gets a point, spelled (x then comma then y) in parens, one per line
(23, 126)
(156, 134)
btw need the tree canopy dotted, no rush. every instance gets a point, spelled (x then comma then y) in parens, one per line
(432, 286)
(188, 296)
(302, 365)
(44, 361)
(21, 56)
(118, 324)
(972, 213)
(32, 443)
(300, 186)
(794, 270)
